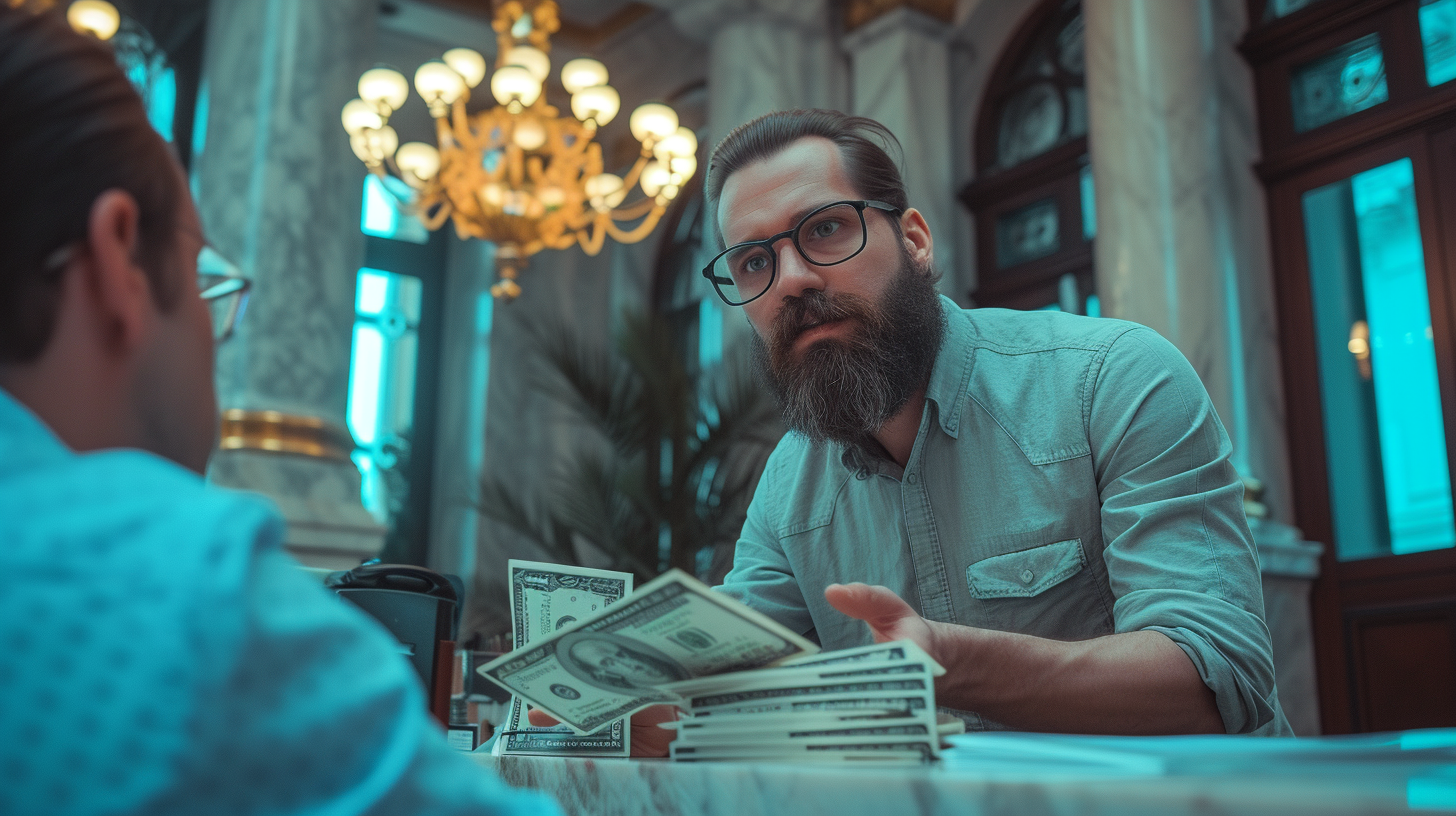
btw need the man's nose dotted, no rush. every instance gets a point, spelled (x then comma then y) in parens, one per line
(796, 275)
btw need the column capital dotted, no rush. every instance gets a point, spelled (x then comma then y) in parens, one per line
(702, 18)
(903, 18)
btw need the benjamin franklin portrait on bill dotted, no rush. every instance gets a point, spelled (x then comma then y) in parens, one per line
(617, 663)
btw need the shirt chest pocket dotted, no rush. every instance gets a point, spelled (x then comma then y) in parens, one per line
(1027, 573)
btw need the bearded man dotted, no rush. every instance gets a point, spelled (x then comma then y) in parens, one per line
(1044, 502)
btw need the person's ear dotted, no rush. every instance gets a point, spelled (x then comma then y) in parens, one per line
(916, 235)
(120, 288)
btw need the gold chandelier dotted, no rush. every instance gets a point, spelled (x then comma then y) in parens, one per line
(520, 174)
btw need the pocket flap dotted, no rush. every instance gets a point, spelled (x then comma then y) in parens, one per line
(1026, 573)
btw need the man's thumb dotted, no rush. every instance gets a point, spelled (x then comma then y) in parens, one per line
(875, 605)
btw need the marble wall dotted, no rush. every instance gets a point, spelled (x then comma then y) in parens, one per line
(277, 189)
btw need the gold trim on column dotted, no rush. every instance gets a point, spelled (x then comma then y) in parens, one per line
(859, 12)
(278, 432)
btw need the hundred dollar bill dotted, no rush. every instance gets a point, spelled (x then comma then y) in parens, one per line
(544, 599)
(606, 667)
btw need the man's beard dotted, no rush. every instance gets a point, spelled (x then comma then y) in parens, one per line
(844, 389)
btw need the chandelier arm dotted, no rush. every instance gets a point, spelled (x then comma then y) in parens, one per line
(592, 239)
(635, 210)
(639, 232)
(630, 180)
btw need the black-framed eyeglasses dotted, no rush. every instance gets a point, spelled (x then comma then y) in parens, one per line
(830, 235)
(224, 289)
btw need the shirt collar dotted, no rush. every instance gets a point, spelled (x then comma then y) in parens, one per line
(25, 439)
(952, 372)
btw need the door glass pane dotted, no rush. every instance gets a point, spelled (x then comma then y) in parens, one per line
(1438, 40)
(1346, 80)
(1279, 8)
(1027, 234)
(1390, 489)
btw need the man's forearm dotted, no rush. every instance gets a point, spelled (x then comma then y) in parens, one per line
(1131, 683)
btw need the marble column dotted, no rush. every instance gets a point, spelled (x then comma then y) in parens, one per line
(279, 193)
(763, 56)
(1182, 243)
(900, 77)
(1182, 246)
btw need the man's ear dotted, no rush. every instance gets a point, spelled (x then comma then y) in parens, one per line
(916, 235)
(119, 287)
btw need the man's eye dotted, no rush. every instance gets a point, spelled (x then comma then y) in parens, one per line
(824, 229)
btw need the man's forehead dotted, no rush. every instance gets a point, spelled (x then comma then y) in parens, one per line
(773, 193)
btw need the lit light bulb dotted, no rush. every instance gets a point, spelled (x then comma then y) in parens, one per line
(372, 146)
(682, 168)
(655, 176)
(605, 191)
(383, 88)
(681, 142)
(418, 162)
(532, 59)
(583, 72)
(513, 83)
(359, 115)
(652, 122)
(529, 134)
(95, 17)
(468, 63)
(439, 85)
(597, 104)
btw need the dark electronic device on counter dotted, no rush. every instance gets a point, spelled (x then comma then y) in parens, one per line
(420, 607)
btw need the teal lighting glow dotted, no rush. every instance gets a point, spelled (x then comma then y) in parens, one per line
(1438, 40)
(199, 118)
(370, 292)
(364, 379)
(381, 215)
(1089, 203)
(1094, 306)
(1390, 489)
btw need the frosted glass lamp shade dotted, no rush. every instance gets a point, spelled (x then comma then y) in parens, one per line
(513, 83)
(529, 133)
(438, 82)
(374, 146)
(359, 115)
(419, 160)
(655, 176)
(95, 17)
(679, 143)
(682, 168)
(532, 59)
(599, 104)
(581, 73)
(468, 63)
(652, 122)
(384, 88)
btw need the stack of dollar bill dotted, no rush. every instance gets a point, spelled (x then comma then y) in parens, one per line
(873, 703)
(590, 652)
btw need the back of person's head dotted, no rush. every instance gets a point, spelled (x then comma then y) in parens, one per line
(864, 147)
(71, 128)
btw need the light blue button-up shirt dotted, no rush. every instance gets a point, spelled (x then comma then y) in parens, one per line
(160, 654)
(1069, 480)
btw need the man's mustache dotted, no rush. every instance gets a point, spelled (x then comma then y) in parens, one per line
(801, 313)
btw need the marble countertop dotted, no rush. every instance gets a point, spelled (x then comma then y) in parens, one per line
(605, 787)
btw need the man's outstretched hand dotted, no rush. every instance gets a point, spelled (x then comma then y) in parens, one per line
(889, 617)
(647, 739)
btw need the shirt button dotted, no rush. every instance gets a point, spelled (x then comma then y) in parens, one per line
(1027, 576)
(912, 479)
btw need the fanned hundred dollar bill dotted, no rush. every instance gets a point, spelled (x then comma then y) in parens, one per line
(546, 598)
(606, 667)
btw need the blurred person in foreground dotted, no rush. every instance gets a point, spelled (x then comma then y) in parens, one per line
(159, 653)
(1044, 502)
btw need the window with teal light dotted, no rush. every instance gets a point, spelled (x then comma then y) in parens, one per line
(383, 214)
(1389, 477)
(382, 383)
(1438, 40)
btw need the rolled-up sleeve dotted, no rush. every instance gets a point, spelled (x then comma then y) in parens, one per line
(1179, 555)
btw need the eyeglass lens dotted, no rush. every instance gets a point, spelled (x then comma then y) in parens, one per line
(223, 289)
(828, 236)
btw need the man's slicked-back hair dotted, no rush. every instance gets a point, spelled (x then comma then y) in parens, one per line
(864, 147)
(71, 128)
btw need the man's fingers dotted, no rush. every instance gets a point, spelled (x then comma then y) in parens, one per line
(875, 605)
(540, 719)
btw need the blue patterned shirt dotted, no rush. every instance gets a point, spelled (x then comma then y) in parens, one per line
(160, 654)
